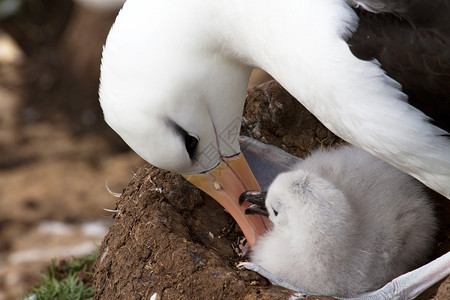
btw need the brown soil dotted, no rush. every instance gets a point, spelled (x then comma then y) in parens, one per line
(56, 153)
(169, 238)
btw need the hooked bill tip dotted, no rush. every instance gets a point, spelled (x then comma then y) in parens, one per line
(255, 197)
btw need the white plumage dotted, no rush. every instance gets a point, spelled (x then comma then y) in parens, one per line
(345, 223)
(188, 63)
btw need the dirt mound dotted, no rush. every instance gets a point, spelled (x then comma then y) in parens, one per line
(174, 241)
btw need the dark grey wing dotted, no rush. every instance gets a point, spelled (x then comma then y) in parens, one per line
(411, 40)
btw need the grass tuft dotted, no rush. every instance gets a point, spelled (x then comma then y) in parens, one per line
(67, 281)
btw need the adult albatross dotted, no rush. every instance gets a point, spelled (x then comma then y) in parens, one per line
(174, 78)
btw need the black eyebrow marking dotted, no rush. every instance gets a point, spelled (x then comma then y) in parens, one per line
(177, 128)
(190, 141)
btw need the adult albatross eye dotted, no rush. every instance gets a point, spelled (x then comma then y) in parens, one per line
(191, 143)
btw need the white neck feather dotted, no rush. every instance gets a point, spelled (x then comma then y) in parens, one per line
(300, 43)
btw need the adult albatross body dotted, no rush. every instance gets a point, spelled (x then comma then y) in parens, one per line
(174, 77)
(181, 67)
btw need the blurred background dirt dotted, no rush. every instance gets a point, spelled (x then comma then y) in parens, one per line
(56, 153)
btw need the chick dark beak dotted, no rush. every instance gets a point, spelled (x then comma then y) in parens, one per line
(258, 200)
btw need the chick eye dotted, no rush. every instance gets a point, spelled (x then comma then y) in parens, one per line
(191, 143)
(275, 212)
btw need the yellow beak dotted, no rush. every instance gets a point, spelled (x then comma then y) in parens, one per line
(225, 183)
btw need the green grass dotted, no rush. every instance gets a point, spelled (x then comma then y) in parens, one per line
(70, 280)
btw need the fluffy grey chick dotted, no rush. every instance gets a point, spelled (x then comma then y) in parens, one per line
(344, 223)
